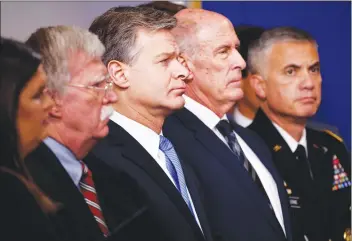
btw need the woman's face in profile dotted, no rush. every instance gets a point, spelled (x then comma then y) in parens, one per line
(33, 110)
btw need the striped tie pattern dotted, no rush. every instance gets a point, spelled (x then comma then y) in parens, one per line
(90, 196)
(227, 131)
(175, 169)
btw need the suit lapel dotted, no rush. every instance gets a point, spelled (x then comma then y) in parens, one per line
(134, 152)
(122, 205)
(196, 198)
(223, 154)
(55, 181)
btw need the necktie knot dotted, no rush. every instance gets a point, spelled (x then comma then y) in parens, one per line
(85, 170)
(165, 144)
(224, 127)
(300, 152)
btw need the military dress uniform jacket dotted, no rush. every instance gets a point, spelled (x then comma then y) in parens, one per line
(319, 209)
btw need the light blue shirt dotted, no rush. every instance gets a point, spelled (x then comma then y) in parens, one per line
(67, 159)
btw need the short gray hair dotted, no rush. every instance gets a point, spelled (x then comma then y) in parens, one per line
(55, 43)
(259, 48)
(118, 28)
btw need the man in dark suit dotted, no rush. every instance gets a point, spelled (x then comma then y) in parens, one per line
(315, 165)
(243, 194)
(150, 82)
(95, 202)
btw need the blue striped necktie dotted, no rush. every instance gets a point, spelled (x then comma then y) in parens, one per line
(175, 169)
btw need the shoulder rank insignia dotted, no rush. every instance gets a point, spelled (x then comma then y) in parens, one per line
(340, 176)
(334, 135)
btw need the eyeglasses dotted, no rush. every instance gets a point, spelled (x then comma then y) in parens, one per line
(106, 89)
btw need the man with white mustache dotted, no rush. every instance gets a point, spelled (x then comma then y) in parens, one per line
(92, 198)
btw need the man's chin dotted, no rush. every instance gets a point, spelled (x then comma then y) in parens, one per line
(236, 95)
(101, 131)
(179, 103)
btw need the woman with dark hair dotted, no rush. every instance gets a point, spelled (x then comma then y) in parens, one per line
(24, 106)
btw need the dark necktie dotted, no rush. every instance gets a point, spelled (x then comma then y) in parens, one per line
(227, 131)
(303, 163)
(90, 196)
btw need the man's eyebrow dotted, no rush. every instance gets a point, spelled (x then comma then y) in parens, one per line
(316, 64)
(225, 45)
(295, 66)
(166, 54)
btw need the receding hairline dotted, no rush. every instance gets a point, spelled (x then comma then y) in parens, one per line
(197, 19)
(190, 22)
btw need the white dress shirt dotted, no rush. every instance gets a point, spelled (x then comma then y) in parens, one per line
(149, 140)
(210, 119)
(240, 119)
(291, 142)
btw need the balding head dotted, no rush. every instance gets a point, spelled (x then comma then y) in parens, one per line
(192, 28)
(208, 44)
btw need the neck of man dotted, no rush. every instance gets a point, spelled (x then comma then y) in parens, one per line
(219, 108)
(78, 143)
(153, 119)
(292, 125)
(246, 109)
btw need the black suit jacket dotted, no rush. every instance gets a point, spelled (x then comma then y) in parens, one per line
(236, 208)
(123, 204)
(121, 151)
(316, 210)
(21, 218)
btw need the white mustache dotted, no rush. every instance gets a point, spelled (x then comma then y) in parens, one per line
(106, 111)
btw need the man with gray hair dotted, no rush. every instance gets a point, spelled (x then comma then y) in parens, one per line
(95, 202)
(315, 165)
(142, 60)
(243, 193)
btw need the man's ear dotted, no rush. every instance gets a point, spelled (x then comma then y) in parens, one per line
(184, 60)
(56, 110)
(118, 74)
(259, 85)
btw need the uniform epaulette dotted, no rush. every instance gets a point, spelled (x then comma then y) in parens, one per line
(334, 135)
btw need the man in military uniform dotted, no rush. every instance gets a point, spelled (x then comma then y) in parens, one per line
(315, 165)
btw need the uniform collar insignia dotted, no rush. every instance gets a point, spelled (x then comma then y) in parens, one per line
(277, 148)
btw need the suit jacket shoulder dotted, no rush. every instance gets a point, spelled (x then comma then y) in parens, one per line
(123, 154)
(235, 206)
(125, 203)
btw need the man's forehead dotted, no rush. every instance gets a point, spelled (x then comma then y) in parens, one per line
(295, 51)
(163, 39)
(222, 32)
(90, 72)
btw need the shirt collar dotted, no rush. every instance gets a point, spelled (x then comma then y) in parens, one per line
(208, 117)
(240, 118)
(291, 142)
(144, 135)
(67, 159)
